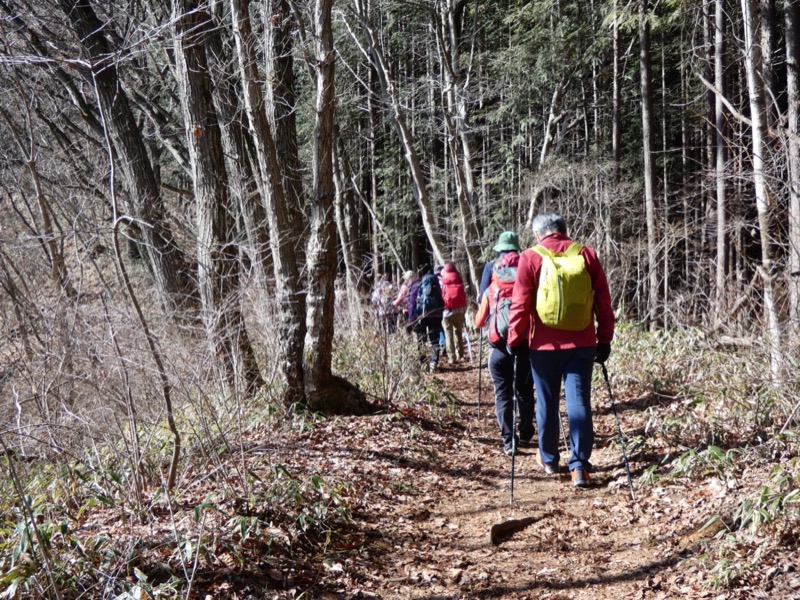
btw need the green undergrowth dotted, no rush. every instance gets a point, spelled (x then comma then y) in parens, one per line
(389, 369)
(710, 411)
(97, 522)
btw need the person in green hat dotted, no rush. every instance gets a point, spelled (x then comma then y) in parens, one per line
(507, 242)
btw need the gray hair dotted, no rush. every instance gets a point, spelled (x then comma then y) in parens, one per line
(548, 223)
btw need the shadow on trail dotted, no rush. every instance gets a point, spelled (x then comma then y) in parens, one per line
(602, 406)
(639, 574)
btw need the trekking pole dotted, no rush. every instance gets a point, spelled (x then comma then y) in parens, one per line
(563, 431)
(513, 426)
(465, 335)
(480, 370)
(619, 431)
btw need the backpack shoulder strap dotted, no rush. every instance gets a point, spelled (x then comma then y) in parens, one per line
(574, 249)
(542, 251)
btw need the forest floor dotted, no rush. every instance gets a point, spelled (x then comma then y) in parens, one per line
(431, 491)
(426, 481)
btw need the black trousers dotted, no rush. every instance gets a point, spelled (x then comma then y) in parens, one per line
(428, 331)
(501, 368)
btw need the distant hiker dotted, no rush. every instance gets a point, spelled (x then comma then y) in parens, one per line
(493, 311)
(437, 270)
(382, 298)
(561, 290)
(401, 300)
(455, 306)
(506, 242)
(425, 305)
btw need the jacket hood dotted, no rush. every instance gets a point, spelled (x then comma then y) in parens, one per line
(450, 275)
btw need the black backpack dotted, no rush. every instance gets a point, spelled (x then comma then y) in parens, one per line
(429, 298)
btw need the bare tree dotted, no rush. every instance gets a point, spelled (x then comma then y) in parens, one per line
(291, 300)
(373, 52)
(218, 264)
(456, 120)
(324, 391)
(752, 59)
(792, 18)
(646, 83)
(721, 158)
(168, 264)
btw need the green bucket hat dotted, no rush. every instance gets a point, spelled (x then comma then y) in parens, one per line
(507, 242)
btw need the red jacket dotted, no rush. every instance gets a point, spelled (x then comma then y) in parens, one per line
(522, 314)
(453, 293)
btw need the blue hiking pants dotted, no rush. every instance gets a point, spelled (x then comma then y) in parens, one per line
(574, 368)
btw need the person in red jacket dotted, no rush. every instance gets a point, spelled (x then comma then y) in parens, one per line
(557, 355)
(455, 307)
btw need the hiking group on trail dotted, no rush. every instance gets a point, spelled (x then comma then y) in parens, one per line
(549, 318)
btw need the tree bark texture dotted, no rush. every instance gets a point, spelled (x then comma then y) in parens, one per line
(290, 297)
(792, 18)
(646, 81)
(168, 264)
(281, 109)
(218, 264)
(756, 95)
(324, 391)
(721, 159)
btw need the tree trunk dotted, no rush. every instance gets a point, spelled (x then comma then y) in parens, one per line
(374, 53)
(645, 68)
(767, 68)
(456, 119)
(168, 264)
(554, 117)
(281, 109)
(343, 207)
(244, 182)
(721, 158)
(616, 102)
(792, 17)
(456, 124)
(218, 264)
(755, 92)
(324, 391)
(290, 298)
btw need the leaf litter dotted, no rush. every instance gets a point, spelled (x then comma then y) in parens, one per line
(428, 516)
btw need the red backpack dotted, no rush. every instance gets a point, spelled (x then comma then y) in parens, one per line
(453, 292)
(504, 274)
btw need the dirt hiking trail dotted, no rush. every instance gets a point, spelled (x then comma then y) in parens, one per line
(429, 534)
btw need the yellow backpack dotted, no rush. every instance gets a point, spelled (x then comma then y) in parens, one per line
(565, 298)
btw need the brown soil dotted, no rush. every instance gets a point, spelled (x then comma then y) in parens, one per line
(426, 484)
(430, 498)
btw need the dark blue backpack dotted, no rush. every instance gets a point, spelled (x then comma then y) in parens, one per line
(429, 298)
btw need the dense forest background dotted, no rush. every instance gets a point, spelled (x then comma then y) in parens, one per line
(197, 195)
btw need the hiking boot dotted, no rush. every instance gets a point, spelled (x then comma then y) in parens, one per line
(525, 443)
(548, 469)
(433, 366)
(508, 449)
(580, 478)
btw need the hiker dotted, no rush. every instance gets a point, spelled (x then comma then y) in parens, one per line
(493, 311)
(437, 270)
(564, 342)
(455, 307)
(506, 242)
(425, 306)
(382, 297)
(401, 301)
